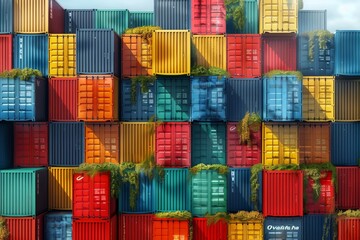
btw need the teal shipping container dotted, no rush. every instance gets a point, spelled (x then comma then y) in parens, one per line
(117, 20)
(138, 19)
(251, 24)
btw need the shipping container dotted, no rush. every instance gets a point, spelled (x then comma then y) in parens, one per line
(318, 99)
(31, 144)
(135, 226)
(62, 58)
(170, 228)
(63, 99)
(347, 100)
(314, 142)
(173, 144)
(282, 99)
(97, 52)
(286, 228)
(136, 56)
(208, 17)
(58, 225)
(143, 108)
(208, 98)
(243, 95)
(318, 226)
(6, 54)
(345, 144)
(31, 51)
(244, 55)
(173, 98)
(118, 20)
(6, 17)
(172, 14)
(204, 231)
(26, 192)
(141, 18)
(348, 191)
(137, 141)
(312, 20)
(95, 229)
(347, 52)
(6, 145)
(208, 143)
(348, 228)
(98, 98)
(26, 228)
(278, 16)
(251, 18)
(92, 196)
(244, 230)
(173, 190)
(242, 154)
(60, 188)
(171, 50)
(102, 142)
(38, 16)
(209, 193)
(79, 18)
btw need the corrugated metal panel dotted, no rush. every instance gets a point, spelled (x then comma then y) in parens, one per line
(31, 51)
(26, 191)
(144, 106)
(79, 18)
(171, 52)
(26, 228)
(208, 143)
(173, 98)
(318, 99)
(97, 51)
(348, 228)
(6, 16)
(314, 142)
(98, 98)
(6, 54)
(141, 18)
(208, 17)
(239, 191)
(318, 226)
(58, 225)
(173, 192)
(283, 228)
(348, 191)
(135, 226)
(347, 52)
(347, 100)
(172, 14)
(312, 20)
(118, 20)
(244, 56)
(60, 188)
(137, 141)
(279, 52)
(6, 145)
(345, 144)
(278, 16)
(66, 141)
(167, 228)
(209, 193)
(251, 24)
(243, 95)
(102, 142)
(282, 99)
(95, 229)
(204, 231)
(245, 230)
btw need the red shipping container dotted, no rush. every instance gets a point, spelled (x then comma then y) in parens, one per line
(92, 196)
(203, 231)
(242, 155)
(326, 201)
(348, 193)
(5, 52)
(279, 52)
(63, 99)
(26, 228)
(56, 17)
(283, 193)
(170, 228)
(244, 55)
(208, 17)
(95, 229)
(348, 228)
(135, 226)
(173, 144)
(31, 144)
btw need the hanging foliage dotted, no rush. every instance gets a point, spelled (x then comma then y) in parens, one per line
(157, 122)
(349, 213)
(250, 122)
(245, 216)
(281, 72)
(4, 231)
(323, 37)
(131, 176)
(220, 216)
(254, 183)
(235, 12)
(149, 167)
(180, 215)
(144, 82)
(23, 74)
(282, 167)
(145, 31)
(200, 70)
(221, 169)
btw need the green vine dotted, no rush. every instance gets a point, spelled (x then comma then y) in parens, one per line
(245, 216)
(235, 12)
(129, 174)
(4, 231)
(349, 213)
(280, 72)
(145, 31)
(149, 167)
(254, 183)
(329, 222)
(251, 121)
(144, 82)
(323, 37)
(157, 122)
(220, 216)
(282, 167)
(23, 74)
(180, 215)
(221, 169)
(211, 71)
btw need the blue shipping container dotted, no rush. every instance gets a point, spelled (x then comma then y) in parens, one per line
(285, 228)
(172, 14)
(79, 18)
(31, 51)
(243, 95)
(347, 52)
(318, 226)
(6, 16)
(138, 19)
(6, 145)
(251, 19)
(66, 143)
(58, 225)
(282, 99)
(311, 20)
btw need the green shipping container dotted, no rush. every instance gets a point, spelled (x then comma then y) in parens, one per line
(251, 24)
(118, 20)
(138, 19)
(24, 192)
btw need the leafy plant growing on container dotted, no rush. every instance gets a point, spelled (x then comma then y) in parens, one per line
(145, 32)
(323, 36)
(144, 82)
(235, 12)
(4, 231)
(244, 216)
(221, 169)
(273, 73)
(220, 216)
(251, 122)
(23, 74)
(200, 70)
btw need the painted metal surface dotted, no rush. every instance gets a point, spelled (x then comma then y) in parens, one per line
(95, 229)
(251, 25)
(348, 228)
(26, 228)
(203, 231)
(6, 53)
(172, 14)
(6, 17)
(347, 53)
(348, 194)
(208, 17)
(312, 20)
(318, 226)
(141, 18)
(347, 100)
(243, 230)
(287, 228)
(135, 226)
(169, 228)
(58, 225)
(118, 20)
(6, 145)
(79, 18)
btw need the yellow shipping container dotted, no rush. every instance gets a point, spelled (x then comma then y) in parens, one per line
(209, 50)
(171, 52)
(60, 188)
(280, 144)
(278, 16)
(137, 141)
(318, 103)
(62, 55)
(241, 230)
